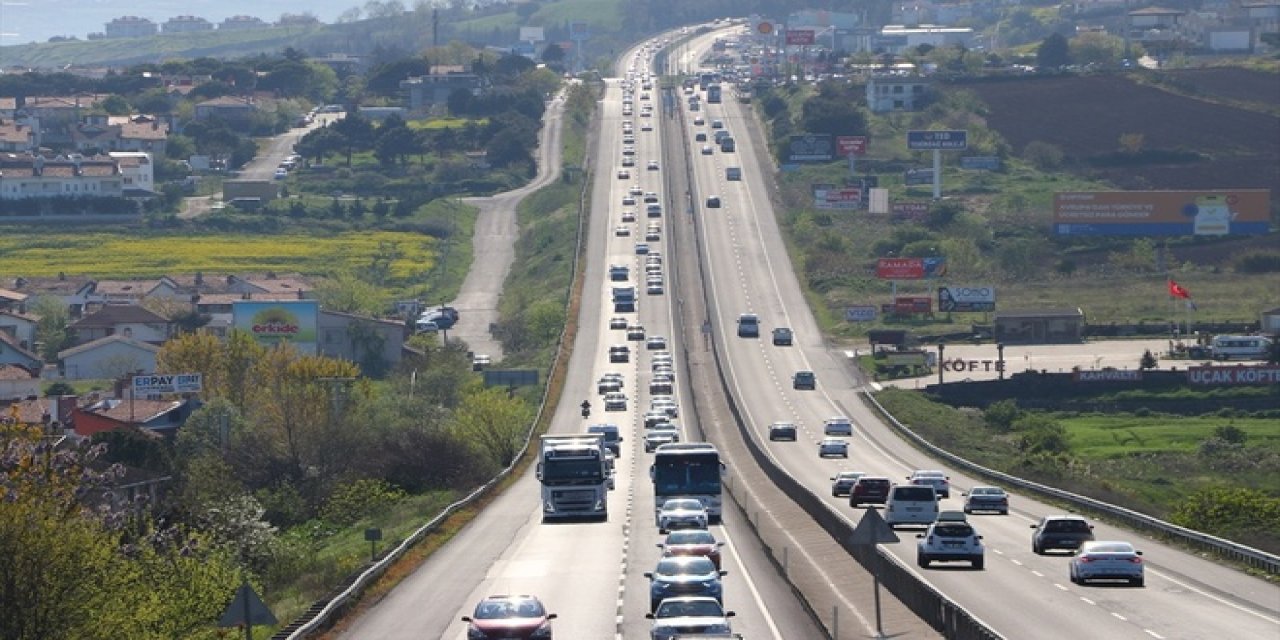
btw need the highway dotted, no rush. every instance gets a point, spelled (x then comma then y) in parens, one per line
(590, 574)
(1019, 594)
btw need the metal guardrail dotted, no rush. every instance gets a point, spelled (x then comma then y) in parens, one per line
(1234, 551)
(320, 617)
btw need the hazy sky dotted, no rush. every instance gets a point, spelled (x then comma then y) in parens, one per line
(23, 21)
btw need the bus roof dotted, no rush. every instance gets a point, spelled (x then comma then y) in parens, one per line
(686, 447)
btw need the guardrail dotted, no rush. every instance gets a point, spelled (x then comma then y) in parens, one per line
(323, 613)
(1234, 551)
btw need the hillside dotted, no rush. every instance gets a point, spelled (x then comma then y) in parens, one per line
(1085, 117)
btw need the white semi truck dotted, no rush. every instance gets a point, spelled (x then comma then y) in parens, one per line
(575, 476)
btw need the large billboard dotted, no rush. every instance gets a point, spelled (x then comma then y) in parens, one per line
(920, 140)
(1162, 213)
(910, 268)
(961, 298)
(810, 147)
(838, 198)
(271, 323)
(800, 37)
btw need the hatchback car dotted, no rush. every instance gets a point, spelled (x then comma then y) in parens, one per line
(1060, 532)
(842, 483)
(782, 336)
(1107, 560)
(713, 202)
(681, 513)
(833, 447)
(692, 542)
(869, 490)
(782, 431)
(684, 576)
(949, 541)
(687, 617)
(986, 499)
(804, 379)
(837, 426)
(509, 617)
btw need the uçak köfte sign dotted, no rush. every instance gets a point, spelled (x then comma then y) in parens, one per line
(1234, 376)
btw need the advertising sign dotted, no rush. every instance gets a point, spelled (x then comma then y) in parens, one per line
(532, 34)
(1234, 375)
(917, 176)
(168, 383)
(903, 305)
(851, 146)
(764, 27)
(910, 268)
(957, 298)
(929, 140)
(1162, 213)
(860, 313)
(579, 30)
(799, 37)
(905, 358)
(810, 147)
(1107, 375)
(838, 198)
(910, 211)
(270, 323)
(981, 163)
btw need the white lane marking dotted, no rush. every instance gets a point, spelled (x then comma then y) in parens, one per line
(1016, 561)
(751, 586)
(1088, 601)
(1119, 617)
(1037, 573)
(1239, 607)
(1153, 634)
(1060, 587)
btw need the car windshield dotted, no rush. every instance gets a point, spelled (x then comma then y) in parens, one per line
(682, 505)
(1110, 547)
(508, 608)
(688, 609)
(913, 493)
(691, 536)
(953, 530)
(849, 475)
(687, 565)
(1066, 526)
(986, 491)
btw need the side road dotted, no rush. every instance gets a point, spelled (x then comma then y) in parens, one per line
(493, 245)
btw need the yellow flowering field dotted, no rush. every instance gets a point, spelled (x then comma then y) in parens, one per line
(151, 254)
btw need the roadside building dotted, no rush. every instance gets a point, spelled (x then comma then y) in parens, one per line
(1049, 326)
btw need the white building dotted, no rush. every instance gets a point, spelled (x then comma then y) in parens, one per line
(34, 176)
(136, 170)
(130, 27)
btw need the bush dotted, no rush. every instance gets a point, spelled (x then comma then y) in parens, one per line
(352, 502)
(1231, 513)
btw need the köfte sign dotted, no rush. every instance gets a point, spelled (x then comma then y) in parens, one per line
(1234, 376)
(168, 383)
(1162, 213)
(978, 298)
(910, 268)
(800, 37)
(960, 365)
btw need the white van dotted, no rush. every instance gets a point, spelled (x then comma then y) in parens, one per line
(911, 504)
(1244, 347)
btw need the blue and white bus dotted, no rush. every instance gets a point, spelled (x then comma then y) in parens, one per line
(688, 470)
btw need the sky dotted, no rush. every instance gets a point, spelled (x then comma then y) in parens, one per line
(23, 21)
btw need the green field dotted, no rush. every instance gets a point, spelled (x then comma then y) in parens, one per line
(1110, 437)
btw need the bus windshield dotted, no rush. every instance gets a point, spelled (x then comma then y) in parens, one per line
(686, 473)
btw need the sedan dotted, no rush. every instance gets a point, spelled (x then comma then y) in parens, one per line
(609, 383)
(628, 201)
(782, 336)
(655, 288)
(615, 401)
(679, 513)
(782, 431)
(1107, 560)
(1060, 532)
(652, 166)
(692, 542)
(646, 127)
(689, 617)
(699, 120)
(617, 323)
(986, 499)
(842, 483)
(509, 617)
(655, 343)
(684, 576)
(624, 174)
(713, 202)
(654, 438)
(833, 447)
(707, 150)
(837, 426)
(629, 215)
(622, 231)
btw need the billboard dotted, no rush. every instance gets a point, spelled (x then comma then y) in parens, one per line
(168, 383)
(800, 37)
(958, 298)
(910, 268)
(904, 305)
(1267, 374)
(860, 313)
(810, 147)
(271, 323)
(1162, 213)
(930, 140)
(838, 198)
(917, 176)
(980, 163)
(910, 211)
(532, 34)
(851, 146)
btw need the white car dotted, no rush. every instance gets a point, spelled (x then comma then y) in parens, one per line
(837, 426)
(653, 165)
(656, 343)
(281, 174)
(622, 231)
(624, 174)
(635, 190)
(949, 541)
(1107, 560)
(833, 447)
(615, 401)
(654, 438)
(654, 288)
(940, 482)
(678, 513)
(629, 215)
(699, 615)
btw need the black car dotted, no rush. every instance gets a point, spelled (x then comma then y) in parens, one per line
(782, 431)
(782, 336)
(1060, 532)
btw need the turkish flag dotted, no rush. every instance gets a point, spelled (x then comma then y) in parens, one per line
(1178, 291)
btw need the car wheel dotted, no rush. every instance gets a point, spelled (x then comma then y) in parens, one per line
(1138, 582)
(968, 510)
(1005, 512)
(923, 561)
(978, 563)
(1035, 548)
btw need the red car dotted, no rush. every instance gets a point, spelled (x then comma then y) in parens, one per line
(692, 542)
(509, 618)
(869, 490)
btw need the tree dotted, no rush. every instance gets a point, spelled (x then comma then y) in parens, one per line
(553, 54)
(320, 143)
(1045, 156)
(356, 131)
(496, 423)
(1000, 415)
(1041, 434)
(1148, 361)
(1054, 52)
(831, 112)
(348, 293)
(53, 328)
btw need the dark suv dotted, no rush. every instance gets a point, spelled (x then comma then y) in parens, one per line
(1060, 532)
(869, 490)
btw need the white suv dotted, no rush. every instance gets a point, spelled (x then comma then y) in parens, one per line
(948, 541)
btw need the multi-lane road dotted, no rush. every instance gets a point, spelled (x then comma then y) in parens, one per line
(591, 574)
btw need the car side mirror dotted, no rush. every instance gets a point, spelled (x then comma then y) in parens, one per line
(979, 537)
(649, 616)
(1033, 526)
(466, 618)
(1138, 552)
(648, 574)
(723, 573)
(919, 535)
(729, 614)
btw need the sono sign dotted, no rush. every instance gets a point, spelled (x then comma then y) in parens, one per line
(980, 298)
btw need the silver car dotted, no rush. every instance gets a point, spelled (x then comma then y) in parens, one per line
(1107, 560)
(678, 513)
(702, 615)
